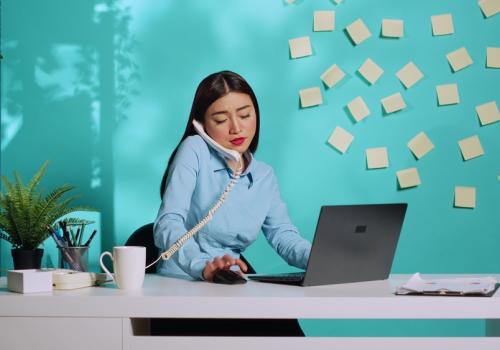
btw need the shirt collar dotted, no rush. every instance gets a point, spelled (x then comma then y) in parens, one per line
(218, 163)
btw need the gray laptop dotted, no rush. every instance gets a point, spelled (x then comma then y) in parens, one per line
(352, 243)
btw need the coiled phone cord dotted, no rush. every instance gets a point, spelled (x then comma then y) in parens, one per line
(178, 244)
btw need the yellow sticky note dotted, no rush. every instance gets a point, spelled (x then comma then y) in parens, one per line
(300, 47)
(409, 75)
(471, 147)
(324, 21)
(393, 103)
(447, 94)
(340, 139)
(493, 57)
(332, 76)
(392, 28)
(420, 145)
(459, 59)
(465, 197)
(408, 177)
(377, 158)
(310, 97)
(358, 109)
(358, 31)
(442, 24)
(488, 113)
(370, 71)
(489, 7)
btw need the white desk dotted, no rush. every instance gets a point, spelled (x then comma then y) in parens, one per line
(100, 317)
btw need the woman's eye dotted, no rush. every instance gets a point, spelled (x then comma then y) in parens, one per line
(244, 116)
(220, 121)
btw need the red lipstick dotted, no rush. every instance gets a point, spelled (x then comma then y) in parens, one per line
(238, 141)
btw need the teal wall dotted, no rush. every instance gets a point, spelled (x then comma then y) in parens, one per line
(103, 89)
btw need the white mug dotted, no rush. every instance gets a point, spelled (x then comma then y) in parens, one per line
(129, 264)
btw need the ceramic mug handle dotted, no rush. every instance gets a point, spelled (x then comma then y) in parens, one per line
(104, 267)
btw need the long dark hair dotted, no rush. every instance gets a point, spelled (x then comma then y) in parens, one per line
(212, 88)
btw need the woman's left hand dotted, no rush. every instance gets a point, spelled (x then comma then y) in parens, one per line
(222, 263)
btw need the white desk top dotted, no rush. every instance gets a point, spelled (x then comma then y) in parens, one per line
(168, 297)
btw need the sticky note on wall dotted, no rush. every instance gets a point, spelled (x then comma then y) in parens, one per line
(442, 24)
(358, 109)
(447, 94)
(340, 139)
(332, 76)
(370, 71)
(459, 59)
(408, 177)
(488, 113)
(393, 103)
(324, 21)
(493, 57)
(409, 75)
(377, 158)
(420, 145)
(489, 7)
(300, 47)
(465, 197)
(471, 147)
(358, 31)
(310, 97)
(392, 28)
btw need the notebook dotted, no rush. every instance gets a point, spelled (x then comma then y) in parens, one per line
(352, 243)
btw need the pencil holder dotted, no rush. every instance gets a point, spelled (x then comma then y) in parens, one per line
(74, 258)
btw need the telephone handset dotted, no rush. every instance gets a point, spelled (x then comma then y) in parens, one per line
(226, 153)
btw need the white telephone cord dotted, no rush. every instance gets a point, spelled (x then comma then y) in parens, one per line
(178, 244)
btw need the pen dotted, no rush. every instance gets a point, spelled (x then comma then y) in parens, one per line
(90, 238)
(74, 265)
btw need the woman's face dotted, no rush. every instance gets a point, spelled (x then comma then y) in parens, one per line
(231, 121)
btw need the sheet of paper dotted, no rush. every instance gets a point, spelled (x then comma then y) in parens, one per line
(465, 197)
(332, 76)
(488, 113)
(416, 283)
(324, 21)
(358, 109)
(340, 139)
(489, 7)
(493, 57)
(442, 24)
(377, 158)
(420, 145)
(459, 59)
(408, 177)
(447, 94)
(393, 103)
(471, 147)
(300, 47)
(409, 75)
(392, 28)
(370, 71)
(358, 31)
(310, 97)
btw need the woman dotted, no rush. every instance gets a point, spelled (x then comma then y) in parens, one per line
(197, 174)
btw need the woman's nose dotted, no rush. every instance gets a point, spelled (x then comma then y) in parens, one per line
(235, 127)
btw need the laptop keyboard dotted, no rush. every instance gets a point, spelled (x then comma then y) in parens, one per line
(282, 277)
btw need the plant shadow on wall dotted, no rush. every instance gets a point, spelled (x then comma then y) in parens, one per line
(68, 78)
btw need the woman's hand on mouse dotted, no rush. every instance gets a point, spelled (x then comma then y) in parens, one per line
(222, 263)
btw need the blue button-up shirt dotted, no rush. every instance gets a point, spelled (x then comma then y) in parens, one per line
(197, 177)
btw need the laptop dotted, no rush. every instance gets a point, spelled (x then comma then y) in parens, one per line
(352, 243)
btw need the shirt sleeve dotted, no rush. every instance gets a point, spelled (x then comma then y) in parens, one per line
(282, 234)
(170, 223)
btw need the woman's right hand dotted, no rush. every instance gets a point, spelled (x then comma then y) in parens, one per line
(222, 263)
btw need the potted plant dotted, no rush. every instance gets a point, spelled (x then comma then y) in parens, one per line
(25, 214)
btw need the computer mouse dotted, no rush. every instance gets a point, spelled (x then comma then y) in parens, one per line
(228, 277)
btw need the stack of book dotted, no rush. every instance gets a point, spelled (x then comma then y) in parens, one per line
(71, 279)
